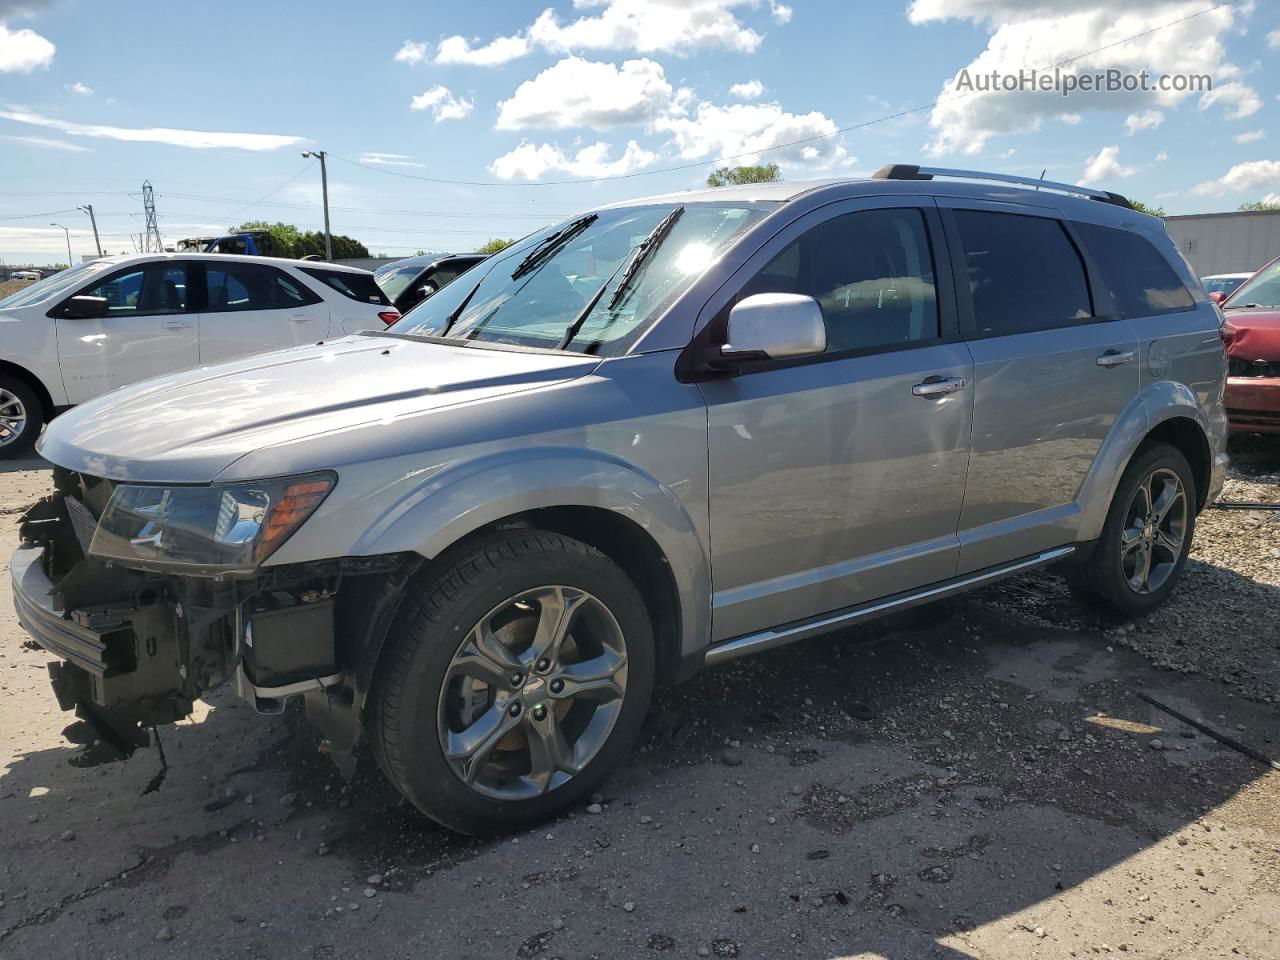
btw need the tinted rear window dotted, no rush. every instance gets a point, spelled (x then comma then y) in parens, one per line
(354, 286)
(1024, 273)
(1141, 281)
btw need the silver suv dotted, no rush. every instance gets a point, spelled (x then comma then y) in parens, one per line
(654, 438)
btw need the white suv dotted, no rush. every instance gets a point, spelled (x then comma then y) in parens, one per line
(118, 320)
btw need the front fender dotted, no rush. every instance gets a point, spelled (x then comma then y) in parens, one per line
(466, 497)
(1157, 403)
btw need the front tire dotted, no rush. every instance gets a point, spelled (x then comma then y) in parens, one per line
(1139, 558)
(21, 416)
(515, 683)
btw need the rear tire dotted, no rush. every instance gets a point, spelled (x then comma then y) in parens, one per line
(1139, 558)
(514, 683)
(21, 416)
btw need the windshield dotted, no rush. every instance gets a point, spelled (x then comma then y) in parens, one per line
(1260, 290)
(393, 278)
(53, 286)
(579, 293)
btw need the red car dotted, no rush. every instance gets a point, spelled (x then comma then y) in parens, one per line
(1252, 333)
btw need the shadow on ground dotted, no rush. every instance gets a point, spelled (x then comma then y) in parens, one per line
(939, 785)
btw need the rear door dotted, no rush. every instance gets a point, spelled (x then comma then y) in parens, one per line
(149, 330)
(254, 307)
(1054, 366)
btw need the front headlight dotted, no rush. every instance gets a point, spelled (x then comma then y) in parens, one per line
(227, 528)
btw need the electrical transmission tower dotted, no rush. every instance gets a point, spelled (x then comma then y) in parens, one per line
(153, 243)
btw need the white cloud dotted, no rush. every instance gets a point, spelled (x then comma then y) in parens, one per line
(46, 142)
(649, 26)
(744, 130)
(1095, 36)
(677, 27)
(492, 54)
(749, 90)
(1161, 157)
(1144, 120)
(388, 159)
(195, 139)
(1243, 176)
(1272, 199)
(1250, 136)
(1103, 166)
(1071, 119)
(442, 104)
(529, 162)
(411, 51)
(583, 93)
(82, 89)
(1242, 99)
(1273, 39)
(22, 51)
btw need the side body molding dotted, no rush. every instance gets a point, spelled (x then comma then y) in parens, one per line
(465, 497)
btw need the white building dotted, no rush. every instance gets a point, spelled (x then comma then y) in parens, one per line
(1238, 242)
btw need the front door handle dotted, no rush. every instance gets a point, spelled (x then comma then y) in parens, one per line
(938, 386)
(301, 318)
(177, 324)
(1113, 358)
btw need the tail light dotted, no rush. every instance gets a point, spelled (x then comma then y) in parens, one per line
(1228, 332)
(388, 317)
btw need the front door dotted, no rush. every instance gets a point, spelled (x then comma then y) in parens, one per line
(1054, 367)
(148, 330)
(255, 307)
(838, 479)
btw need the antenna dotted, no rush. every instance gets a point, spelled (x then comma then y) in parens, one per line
(152, 243)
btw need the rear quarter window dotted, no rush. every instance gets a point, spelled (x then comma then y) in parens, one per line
(354, 286)
(1140, 279)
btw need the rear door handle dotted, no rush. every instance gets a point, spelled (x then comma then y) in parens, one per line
(1113, 358)
(938, 386)
(301, 318)
(177, 324)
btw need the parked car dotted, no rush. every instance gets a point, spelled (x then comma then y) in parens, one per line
(25, 275)
(117, 320)
(1252, 394)
(408, 282)
(1219, 286)
(659, 436)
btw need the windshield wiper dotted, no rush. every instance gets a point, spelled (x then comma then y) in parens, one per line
(647, 246)
(457, 311)
(629, 269)
(550, 244)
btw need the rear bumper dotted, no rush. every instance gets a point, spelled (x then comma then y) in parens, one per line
(1253, 404)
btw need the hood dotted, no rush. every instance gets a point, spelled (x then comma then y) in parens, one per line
(188, 427)
(1259, 333)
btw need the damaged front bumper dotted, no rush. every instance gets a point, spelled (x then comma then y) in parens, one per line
(136, 648)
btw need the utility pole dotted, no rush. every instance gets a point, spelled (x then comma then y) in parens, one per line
(324, 190)
(88, 208)
(68, 233)
(153, 242)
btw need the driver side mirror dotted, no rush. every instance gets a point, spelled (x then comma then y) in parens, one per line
(775, 326)
(1217, 297)
(84, 307)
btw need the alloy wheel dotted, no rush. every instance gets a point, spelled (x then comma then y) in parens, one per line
(533, 692)
(1154, 531)
(13, 417)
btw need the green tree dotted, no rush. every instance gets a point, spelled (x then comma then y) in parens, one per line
(1259, 206)
(494, 245)
(295, 243)
(1143, 208)
(725, 176)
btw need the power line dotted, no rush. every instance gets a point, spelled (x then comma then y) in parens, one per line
(778, 146)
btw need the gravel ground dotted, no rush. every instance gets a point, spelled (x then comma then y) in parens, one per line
(979, 779)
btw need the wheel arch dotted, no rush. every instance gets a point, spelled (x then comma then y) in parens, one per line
(34, 382)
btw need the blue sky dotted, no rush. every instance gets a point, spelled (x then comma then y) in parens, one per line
(213, 103)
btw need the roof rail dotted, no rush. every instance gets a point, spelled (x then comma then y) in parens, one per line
(910, 171)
